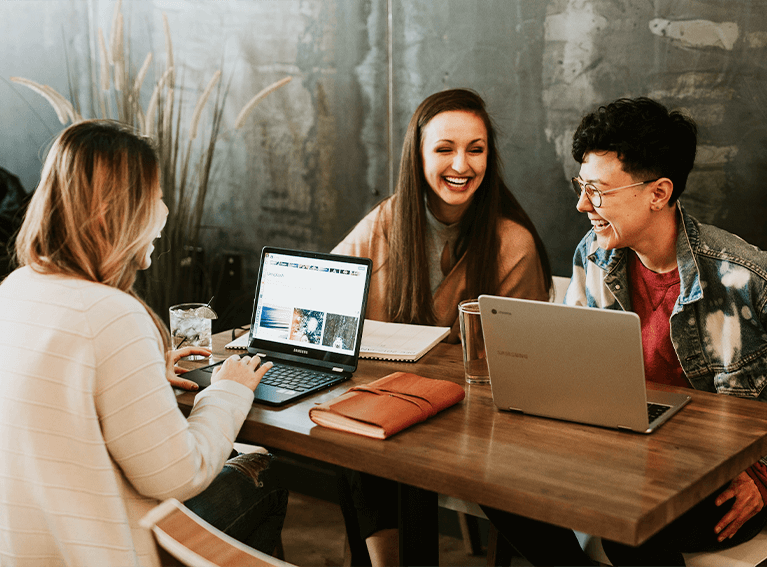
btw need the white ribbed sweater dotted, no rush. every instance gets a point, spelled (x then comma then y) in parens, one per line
(91, 436)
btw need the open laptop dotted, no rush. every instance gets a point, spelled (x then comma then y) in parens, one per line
(308, 315)
(572, 363)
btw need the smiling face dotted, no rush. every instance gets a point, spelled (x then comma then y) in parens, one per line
(624, 218)
(454, 154)
(159, 217)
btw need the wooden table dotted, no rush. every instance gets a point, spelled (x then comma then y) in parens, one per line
(614, 484)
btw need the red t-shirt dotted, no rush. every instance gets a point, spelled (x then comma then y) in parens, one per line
(652, 298)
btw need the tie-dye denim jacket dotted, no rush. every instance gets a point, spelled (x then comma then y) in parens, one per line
(719, 321)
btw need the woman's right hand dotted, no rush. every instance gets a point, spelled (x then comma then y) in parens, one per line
(245, 370)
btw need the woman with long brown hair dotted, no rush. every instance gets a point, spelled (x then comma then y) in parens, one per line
(451, 231)
(91, 436)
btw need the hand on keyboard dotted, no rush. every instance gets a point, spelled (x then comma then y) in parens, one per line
(245, 370)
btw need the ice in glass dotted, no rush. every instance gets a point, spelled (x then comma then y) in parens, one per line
(191, 324)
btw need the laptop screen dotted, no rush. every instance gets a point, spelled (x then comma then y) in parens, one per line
(310, 304)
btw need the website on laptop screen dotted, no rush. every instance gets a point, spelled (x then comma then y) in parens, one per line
(310, 302)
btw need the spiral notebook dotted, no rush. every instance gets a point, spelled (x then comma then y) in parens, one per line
(386, 341)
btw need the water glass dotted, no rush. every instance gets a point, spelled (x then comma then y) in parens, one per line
(473, 343)
(191, 325)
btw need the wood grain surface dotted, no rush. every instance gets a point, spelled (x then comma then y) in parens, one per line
(615, 484)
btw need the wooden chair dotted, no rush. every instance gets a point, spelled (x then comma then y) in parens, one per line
(468, 513)
(560, 288)
(498, 551)
(183, 538)
(752, 553)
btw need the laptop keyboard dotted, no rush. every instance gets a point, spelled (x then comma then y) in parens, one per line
(296, 379)
(654, 411)
(292, 377)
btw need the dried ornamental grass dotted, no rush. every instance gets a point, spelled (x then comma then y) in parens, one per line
(186, 154)
(201, 104)
(246, 110)
(63, 108)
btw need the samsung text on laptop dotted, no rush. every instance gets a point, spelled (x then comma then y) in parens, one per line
(308, 315)
(571, 363)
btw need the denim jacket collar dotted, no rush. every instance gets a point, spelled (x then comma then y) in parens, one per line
(687, 240)
(719, 323)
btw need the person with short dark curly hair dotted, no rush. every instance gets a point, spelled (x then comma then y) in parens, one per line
(701, 296)
(647, 138)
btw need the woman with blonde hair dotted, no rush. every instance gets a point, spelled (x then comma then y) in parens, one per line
(91, 436)
(452, 231)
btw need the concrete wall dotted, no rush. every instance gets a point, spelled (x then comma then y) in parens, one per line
(316, 155)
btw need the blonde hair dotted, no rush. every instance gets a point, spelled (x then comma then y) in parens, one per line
(92, 213)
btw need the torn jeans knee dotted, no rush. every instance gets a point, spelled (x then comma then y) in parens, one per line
(251, 465)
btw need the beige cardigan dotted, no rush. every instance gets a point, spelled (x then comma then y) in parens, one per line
(91, 436)
(521, 274)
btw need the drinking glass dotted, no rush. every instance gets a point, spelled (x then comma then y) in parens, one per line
(473, 343)
(191, 325)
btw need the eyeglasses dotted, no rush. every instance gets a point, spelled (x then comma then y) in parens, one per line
(595, 195)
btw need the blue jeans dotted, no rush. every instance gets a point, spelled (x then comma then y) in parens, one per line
(244, 502)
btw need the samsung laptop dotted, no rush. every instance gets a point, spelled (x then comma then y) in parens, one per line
(572, 363)
(308, 315)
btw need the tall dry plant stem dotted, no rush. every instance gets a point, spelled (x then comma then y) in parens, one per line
(177, 273)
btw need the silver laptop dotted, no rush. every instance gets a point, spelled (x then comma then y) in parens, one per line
(308, 316)
(572, 363)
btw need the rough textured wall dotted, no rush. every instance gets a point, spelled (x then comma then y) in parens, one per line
(303, 168)
(704, 57)
(542, 65)
(312, 157)
(316, 155)
(32, 46)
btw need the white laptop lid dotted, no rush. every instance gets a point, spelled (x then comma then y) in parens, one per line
(573, 363)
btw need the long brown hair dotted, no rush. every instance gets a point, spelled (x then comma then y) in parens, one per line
(409, 293)
(92, 213)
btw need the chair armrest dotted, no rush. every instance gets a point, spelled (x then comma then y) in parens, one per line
(196, 543)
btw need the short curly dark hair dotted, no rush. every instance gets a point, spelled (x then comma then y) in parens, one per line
(650, 141)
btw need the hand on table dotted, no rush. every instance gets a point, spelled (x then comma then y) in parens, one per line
(748, 501)
(245, 370)
(172, 358)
